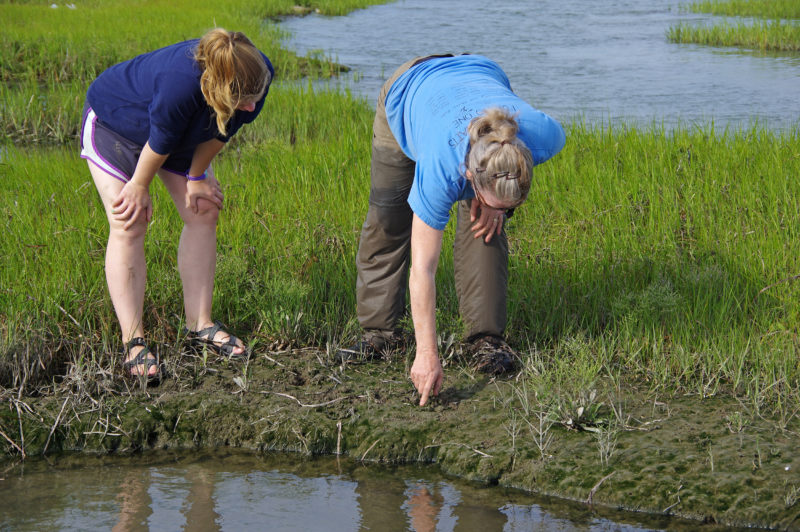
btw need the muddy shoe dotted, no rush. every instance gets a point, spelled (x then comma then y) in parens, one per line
(372, 346)
(491, 355)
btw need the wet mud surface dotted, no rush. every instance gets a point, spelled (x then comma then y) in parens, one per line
(714, 459)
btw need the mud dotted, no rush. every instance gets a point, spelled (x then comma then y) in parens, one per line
(712, 459)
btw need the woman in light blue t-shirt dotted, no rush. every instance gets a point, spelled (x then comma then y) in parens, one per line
(448, 130)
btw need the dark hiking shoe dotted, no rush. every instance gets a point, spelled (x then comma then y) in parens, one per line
(491, 355)
(372, 346)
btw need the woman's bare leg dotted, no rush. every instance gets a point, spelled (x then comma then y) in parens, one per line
(197, 256)
(126, 269)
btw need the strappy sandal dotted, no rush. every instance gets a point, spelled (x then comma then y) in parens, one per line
(142, 360)
(204, 338)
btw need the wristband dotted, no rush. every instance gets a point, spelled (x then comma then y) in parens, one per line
(198, 178)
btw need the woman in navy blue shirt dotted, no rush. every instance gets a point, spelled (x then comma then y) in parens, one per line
(169, 112)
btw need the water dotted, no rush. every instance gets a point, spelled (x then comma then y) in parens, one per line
(227, 490)
(603, 62)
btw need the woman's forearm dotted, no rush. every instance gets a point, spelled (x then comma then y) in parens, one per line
(148, 165)
(426, 245)
(203, 155)
(422, 292)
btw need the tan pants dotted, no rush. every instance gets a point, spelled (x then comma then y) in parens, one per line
(481, 270)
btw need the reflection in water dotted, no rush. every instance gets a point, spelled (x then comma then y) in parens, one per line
(224, 490)
(180, 495)
(423, 508)
(600, 61)
(134, 501)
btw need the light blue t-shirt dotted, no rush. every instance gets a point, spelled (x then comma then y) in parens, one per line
(429, 108)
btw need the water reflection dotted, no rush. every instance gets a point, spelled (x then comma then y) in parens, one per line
(603, 62)
(240, 491)
(144, 492)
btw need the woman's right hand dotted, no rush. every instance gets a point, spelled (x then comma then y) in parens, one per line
(132, 204)
(427, 375)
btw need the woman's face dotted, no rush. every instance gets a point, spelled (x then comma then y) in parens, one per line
(488, 199)
(248, 105)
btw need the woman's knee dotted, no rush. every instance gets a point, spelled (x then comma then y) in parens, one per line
(207, 213)
(134, 232)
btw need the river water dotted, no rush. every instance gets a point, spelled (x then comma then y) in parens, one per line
(234, 490)
(601, 62)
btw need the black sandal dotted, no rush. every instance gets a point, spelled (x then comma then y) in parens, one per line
(205, 338)
(141, 360)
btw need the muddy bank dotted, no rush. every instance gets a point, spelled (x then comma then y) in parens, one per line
(712, 459)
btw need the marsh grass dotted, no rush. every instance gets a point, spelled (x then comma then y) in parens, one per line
(667, 257)
(48, 57)
(775, 9)
(772, 36)
(279, 181)
(776, 28)
(56, 45)
(33, 113)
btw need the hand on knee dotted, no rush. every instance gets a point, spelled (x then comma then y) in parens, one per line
(207, 212)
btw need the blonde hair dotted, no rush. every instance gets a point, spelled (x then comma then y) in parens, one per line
(234, 71)
(498, 160)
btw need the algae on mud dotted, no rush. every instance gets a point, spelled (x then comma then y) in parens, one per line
(707, 458)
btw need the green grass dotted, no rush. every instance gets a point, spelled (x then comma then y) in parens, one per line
(777, 29)
(49, 56)
(774, 36)
(44, 44)
(667, 255)
(786, 9)
(664, 256)
(282, 249)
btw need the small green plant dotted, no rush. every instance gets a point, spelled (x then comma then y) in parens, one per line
(513, 428)
(606, 438)
(580, 412)
(792, 495)
(243, 381)
(735, 422)
(540, 425)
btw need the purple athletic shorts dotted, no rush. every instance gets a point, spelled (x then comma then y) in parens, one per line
(116, 155)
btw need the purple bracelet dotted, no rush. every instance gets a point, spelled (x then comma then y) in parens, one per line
(198, 178)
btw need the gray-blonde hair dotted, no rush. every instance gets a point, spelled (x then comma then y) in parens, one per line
(498, 160)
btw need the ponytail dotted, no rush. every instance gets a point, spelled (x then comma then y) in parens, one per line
(498, 160)
(234, 71)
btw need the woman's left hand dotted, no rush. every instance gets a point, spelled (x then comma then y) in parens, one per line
(208, 189)
(489, 221)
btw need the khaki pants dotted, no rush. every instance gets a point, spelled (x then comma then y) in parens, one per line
(481, 270)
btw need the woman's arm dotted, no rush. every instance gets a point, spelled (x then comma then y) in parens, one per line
(134, 200)
(426, 245)
(207, 188)
(203, 155)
